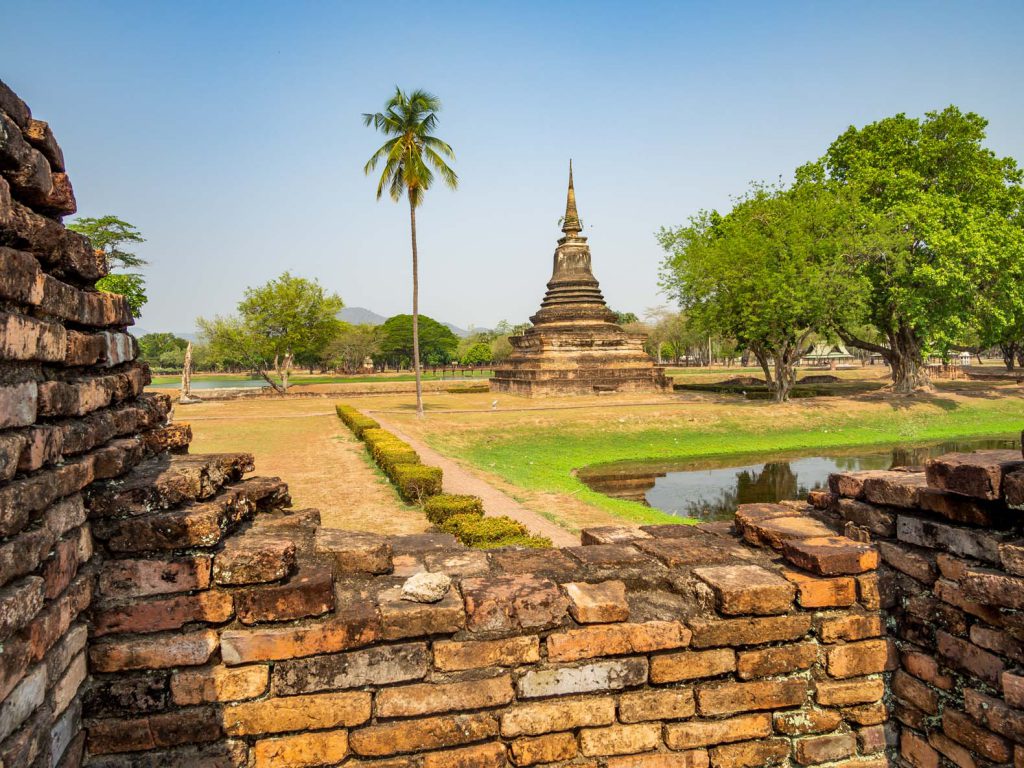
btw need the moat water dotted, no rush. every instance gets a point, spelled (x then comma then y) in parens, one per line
(710, 489)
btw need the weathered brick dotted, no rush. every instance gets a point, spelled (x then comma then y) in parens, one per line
(354, 552)
(19, 603)
(824, 749)
(294, 713)
(26, 338)
(858, 659)
(309, 592)
(914, 692)
(378, 665)
(551, 716)
(254, 559)
(66, 688)
(979, 475)
(145, 578)
(750, 754)
(695, 758)
(661, 704)
(403, 618)
(778, 660)
(549, 748)
(18, 403)
(831, 555)
(866, 714)
(596, 676)
(481, 756)
(917, 564)
(433, 698)
(218, 683)
(804, 721)
(747, 589)
(507, 603)
(691, 665)
(820, 592)
(834, 627)
(843, 693)
(965, 731)
(924, 667)
(729, 698)
(303, 749)
(958, 540)
(994, 715)
(748, 631)
(879, 522)
(163, 613)
(168, 729)
(344, 630)
(597, 603)
(619, 739)
(22, 701)
(969, 657)
(157, 652)
(894, 489)
(917, 752)
(451, 656)
(424, 734)
(616, 640)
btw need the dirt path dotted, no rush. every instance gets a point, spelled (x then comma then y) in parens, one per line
(458, 479)
(310, 449)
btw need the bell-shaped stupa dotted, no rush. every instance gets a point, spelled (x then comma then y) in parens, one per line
(575, 346)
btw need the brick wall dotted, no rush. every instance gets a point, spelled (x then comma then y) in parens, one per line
(950, 537)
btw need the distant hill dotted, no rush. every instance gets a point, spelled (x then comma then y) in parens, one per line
(364, 316)
(360, 316)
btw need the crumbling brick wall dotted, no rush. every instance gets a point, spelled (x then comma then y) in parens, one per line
(950, 536)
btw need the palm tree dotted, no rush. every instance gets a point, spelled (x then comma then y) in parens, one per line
(409, 119)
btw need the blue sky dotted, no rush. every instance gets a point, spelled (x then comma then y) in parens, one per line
(229, 133)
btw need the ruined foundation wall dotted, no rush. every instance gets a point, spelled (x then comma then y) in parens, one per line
(71, 412)
(952, 543)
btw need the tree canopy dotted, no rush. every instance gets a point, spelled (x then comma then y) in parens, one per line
(284, 319)
(437, 343)
(110, 234)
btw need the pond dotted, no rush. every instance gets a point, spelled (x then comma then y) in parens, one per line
(160, 383)
(710, 489)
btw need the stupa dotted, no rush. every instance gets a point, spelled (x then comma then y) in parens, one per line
(575, 346)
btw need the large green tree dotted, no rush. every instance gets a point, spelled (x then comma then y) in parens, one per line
(942, 218)
(352, 345)
(770, 273)
(110, 235)
(286, 318)
(410, 157)
(162, 350)
(437, 344)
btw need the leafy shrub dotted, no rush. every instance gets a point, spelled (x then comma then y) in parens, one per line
(439, 508)
(416, 482)
(354, 420)
(473, 530)
(528, 541)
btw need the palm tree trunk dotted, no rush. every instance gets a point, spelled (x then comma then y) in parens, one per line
(416, 311)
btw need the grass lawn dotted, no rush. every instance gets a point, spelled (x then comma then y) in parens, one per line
(174, 381)
(532, 453)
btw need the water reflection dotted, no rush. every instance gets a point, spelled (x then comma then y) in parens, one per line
(711, 489)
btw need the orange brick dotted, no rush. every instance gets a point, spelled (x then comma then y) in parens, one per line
(450, 656)
(219, 683)
(749, 631)
(823, 592)
(697, 758)
(777, 660)
(616, 640)
(303, 749)
(155, 652)
(295, 713)
(824, 749)
(744, 697)
(480, 756)
(917, 752)
(550, 748)
(552, 716)
(661, 704)
(857, 626)
(619, 739)
(690, 665)
(701, 734)
(858, 659)
(751, 754)
(805, 721)
(426, 734)
(843, 693)
(431, 698)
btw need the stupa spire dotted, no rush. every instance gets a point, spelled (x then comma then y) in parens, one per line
(571, 223)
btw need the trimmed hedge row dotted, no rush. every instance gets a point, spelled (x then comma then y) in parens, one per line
(460, 515)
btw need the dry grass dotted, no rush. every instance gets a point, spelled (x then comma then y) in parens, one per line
(303, 442)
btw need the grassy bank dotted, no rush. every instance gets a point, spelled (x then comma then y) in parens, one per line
(539, 451)
(170, 380)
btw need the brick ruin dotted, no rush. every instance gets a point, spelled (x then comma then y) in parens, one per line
(164, 609)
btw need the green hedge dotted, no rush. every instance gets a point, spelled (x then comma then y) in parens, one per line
(417, 482)
(529, 541)
(439, 508)
(354, 420)
(473, 530)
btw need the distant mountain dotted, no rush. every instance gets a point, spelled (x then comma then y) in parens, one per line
(360, 316)
(364, 316)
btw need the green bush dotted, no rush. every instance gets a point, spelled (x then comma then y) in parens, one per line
(354, 420)
(416, 482)
(439, 508)
(528, 541)
(474, 531)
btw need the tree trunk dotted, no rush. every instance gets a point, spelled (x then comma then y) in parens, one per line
(416, 310)
(1009, 350)
(285, 370)
(903, 356)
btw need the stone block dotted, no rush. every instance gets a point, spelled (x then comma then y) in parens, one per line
(707, 733)
(353, 551)
(588, 678)
(844, 693)
(611, 534)
(959, 541)
(619, 739)
(748, 631)
(879, 522)
(824, 749)
(160, 576)
(747, 589)
(751, 754)
(301, 749)
(549, 748)
(218, 683)
(777, 660)
(163, 613)
(731, 698)
(821, 592)
(661, 704)
(309, 592)
(858, 659)
(597, 603)
(894, 489)
(156, 652)
(401, 618)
